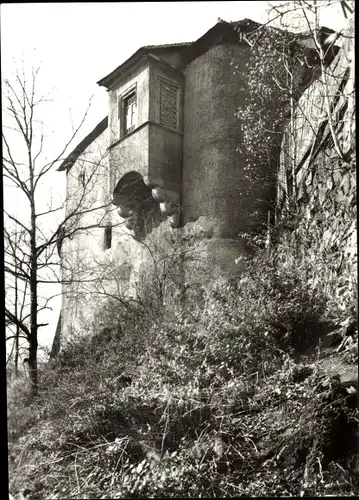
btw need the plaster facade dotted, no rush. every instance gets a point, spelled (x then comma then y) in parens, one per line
(175, 179)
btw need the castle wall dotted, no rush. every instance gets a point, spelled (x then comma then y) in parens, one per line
(130, 154)
(153, 154)
(311, 143)
(118, 271)
(92, 272)
(218, 200)
(87, 187)
(197, 162)
(324, 187)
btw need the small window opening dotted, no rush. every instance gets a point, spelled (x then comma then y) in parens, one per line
(108, 237)
(129, 112)
(82, 179)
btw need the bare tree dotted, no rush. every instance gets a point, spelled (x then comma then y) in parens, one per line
(38, 226)
(15, 295)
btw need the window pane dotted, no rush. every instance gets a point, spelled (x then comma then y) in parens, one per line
(133, 114)
(130, 111)
(128, 117)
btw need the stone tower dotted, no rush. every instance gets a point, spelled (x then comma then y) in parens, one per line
(169, 165)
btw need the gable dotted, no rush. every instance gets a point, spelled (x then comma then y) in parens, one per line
(171, 54)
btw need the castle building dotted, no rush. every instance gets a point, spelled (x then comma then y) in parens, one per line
(166, 161)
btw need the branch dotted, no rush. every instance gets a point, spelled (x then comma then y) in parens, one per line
(325, 82)
(14, 174)
(23, 276)
(16, 336)
(17, 322)
(14, 219)
(46, 168)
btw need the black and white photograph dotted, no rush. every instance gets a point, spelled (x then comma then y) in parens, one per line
(180, 249)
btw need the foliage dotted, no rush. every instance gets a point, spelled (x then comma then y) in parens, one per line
(272, 81)
(230, 394)
(229, 398)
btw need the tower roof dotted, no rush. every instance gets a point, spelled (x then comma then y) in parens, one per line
(221, 32)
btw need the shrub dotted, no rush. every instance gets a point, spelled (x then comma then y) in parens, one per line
(226, 398)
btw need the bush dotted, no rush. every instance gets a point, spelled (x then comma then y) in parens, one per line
(226, 398)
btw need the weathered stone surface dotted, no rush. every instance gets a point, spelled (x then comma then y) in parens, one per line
(187, 171)
(324, 182)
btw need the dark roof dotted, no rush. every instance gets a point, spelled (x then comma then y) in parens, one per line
(227, 32)
(167, 45)
(80, 148)
(107, 80)
(222, 32)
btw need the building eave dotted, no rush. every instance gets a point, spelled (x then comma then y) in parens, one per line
(134, 59)
(164, 63)
(107, 80)
(80, 148)
(168, 45)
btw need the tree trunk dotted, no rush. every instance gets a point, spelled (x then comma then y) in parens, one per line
(32, 360)
(16, 358)
(33, 286)
(33, 329)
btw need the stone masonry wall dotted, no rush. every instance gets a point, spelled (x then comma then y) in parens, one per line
(95, 272)
(324, 186)
(219, 201)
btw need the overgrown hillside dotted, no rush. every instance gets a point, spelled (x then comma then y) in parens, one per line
(250, 391)
(244, 388)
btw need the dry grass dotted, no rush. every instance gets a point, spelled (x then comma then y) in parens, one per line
(233, 398)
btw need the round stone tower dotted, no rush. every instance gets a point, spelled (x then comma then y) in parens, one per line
(220, 200)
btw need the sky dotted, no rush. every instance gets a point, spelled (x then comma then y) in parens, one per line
(76, 44)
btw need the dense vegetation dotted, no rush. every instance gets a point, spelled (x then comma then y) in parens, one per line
(248, 387)
(250, 390)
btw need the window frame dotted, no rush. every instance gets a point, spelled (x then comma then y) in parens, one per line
(122, 110)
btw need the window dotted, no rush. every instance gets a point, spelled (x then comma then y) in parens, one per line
(107, 237)
(130, 105)
(82, 179)
(169, 103)
(127, 112)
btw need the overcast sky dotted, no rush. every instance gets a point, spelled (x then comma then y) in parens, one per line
(76, 44)
(79, 43)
